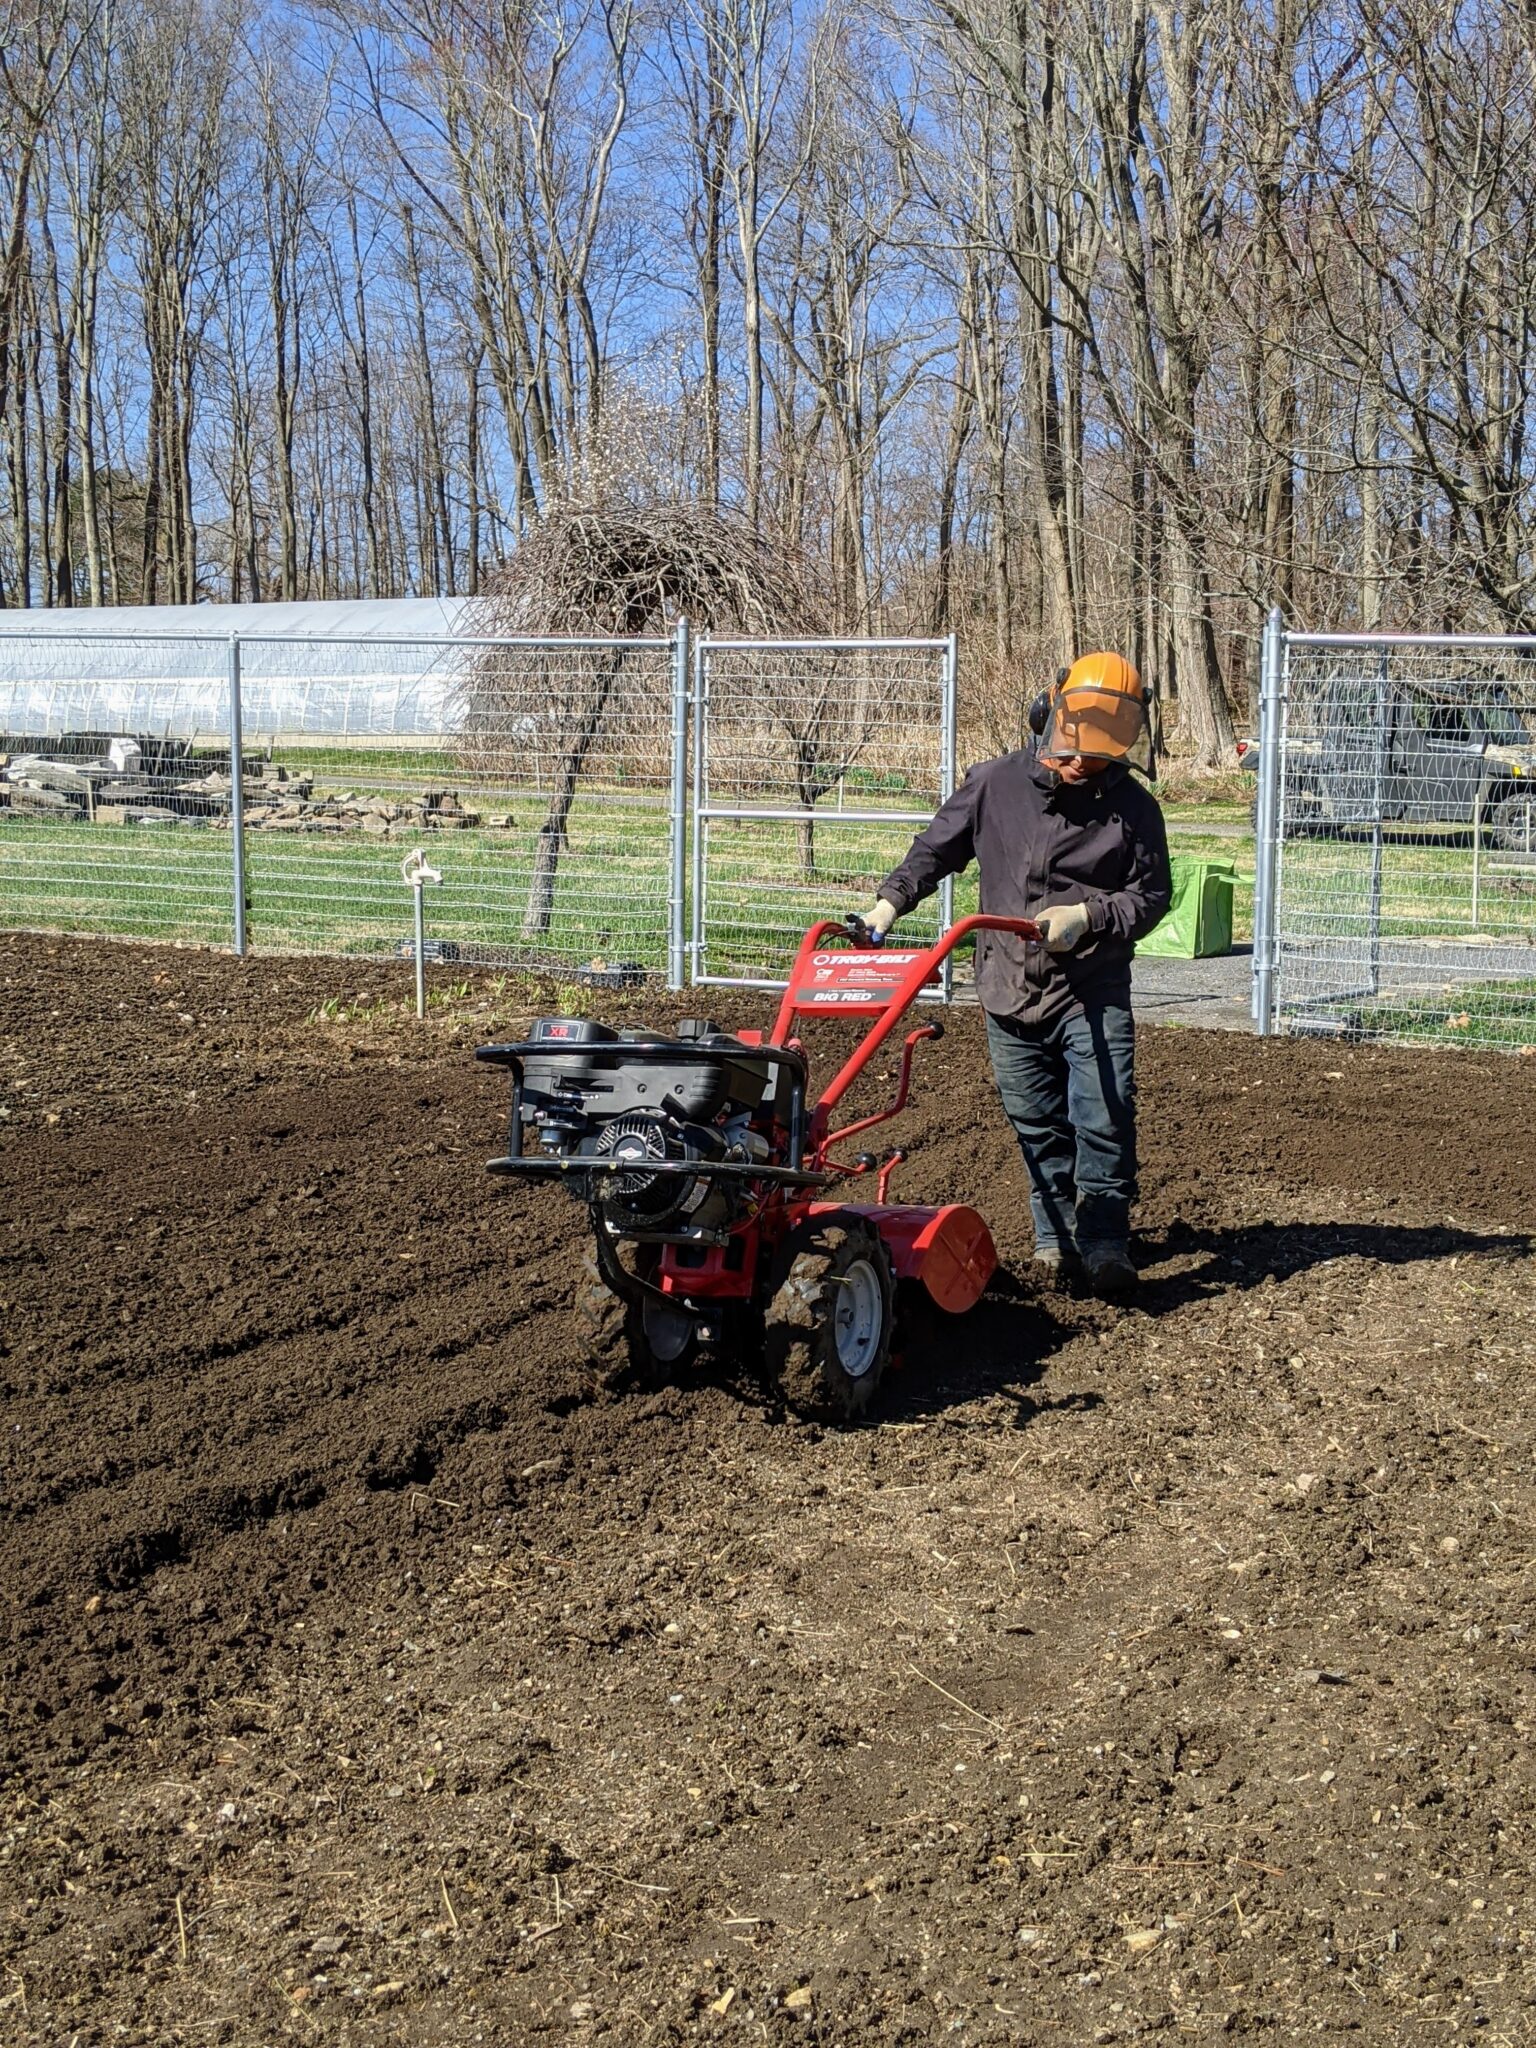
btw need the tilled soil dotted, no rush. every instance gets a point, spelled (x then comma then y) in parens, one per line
(1163, 1671)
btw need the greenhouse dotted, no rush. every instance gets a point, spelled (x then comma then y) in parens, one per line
(357, 668)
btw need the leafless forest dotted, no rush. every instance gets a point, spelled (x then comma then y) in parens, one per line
(1044, 323)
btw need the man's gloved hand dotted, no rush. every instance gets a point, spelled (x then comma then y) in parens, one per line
(1063, 926)
(880, 919)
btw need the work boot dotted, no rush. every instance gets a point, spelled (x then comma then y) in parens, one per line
(1110, 1272)
(1057, 1268)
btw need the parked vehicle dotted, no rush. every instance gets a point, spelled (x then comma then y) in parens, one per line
(1409, 756)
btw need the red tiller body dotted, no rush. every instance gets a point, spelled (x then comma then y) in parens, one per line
(947, 1247)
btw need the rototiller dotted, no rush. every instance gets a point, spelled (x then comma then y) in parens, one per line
(705, 1171)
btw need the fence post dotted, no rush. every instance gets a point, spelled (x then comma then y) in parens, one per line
(700, 824)
(677, 895)
(1378, 821)
(948, 744)
(237, 792)
(1267, 849)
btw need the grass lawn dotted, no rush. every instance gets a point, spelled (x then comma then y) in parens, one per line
(342, 892)
(1496, 1016)
(1426, 891)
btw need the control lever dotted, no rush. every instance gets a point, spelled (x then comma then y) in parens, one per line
(860, 933)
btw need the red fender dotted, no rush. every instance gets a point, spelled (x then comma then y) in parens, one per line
(949, 1249)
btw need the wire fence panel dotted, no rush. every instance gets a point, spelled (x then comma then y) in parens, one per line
(113, 815)
(814, 763)
(1405, 870)
(539, 776)
(537, 781)
(266, 790)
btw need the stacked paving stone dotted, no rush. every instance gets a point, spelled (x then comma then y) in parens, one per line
(102, 793)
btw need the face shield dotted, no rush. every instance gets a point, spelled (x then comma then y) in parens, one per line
(1098, 713)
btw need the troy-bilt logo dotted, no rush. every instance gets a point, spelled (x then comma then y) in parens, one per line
(857, 963)
(862, 970)
(856, 981)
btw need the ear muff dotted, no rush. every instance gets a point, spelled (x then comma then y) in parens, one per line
(1039, 712)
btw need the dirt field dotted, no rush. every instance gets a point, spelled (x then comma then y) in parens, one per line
(1151, 1673)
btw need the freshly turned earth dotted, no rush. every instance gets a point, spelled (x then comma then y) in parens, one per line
(366, 1680)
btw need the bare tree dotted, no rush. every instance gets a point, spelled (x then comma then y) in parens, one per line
(291, 129)
(506, 126)
(175, 77)
(753, 43)
(611, 571)
(1432, 188)
(696, 80)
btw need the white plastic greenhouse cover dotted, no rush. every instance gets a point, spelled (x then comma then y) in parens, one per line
(366, 667)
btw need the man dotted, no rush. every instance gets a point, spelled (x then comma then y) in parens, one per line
(1066, 835)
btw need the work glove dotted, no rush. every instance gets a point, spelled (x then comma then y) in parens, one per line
(879, 920)
(1063, 926)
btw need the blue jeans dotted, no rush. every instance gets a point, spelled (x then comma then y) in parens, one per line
(1069, 1089)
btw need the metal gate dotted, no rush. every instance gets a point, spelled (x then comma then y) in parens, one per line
(1396, 830)
(814, 761)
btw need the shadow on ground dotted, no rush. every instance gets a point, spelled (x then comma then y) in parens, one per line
(1248, 1255)
(1002, 1347)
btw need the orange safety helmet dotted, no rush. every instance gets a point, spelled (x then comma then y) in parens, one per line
(1098, 708)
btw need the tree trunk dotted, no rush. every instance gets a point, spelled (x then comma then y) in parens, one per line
(961, 417)
(472, 466)
(553, 834)
(1204, 714)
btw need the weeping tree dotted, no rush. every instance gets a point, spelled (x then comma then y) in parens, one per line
(619, 573)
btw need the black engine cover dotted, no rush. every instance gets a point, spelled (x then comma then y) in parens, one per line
(608, 1086)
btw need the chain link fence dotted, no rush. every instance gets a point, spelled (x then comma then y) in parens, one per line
(814, 762)
(536, 775)
(1397, 839)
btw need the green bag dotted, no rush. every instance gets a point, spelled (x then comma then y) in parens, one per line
(1199, 920)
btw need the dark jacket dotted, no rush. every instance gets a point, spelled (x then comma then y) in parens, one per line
(1040, 840)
